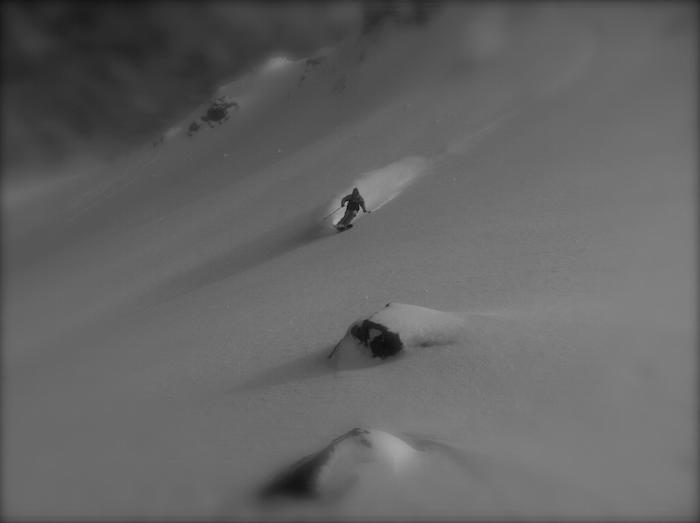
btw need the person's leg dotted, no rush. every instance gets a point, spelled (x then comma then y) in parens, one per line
(351, 217)
(341, 222)
(345, 220)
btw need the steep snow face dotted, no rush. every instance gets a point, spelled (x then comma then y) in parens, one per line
(166, 325)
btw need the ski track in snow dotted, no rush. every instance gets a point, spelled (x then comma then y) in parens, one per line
(380, 186)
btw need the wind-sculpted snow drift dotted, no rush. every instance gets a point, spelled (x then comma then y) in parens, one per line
(366, 467)
(397, 327)
(382, 185)
(338, 466)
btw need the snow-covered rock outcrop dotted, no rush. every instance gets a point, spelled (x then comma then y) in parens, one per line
(336, 467)
(395, 328)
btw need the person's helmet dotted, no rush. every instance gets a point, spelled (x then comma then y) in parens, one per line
(356, 191)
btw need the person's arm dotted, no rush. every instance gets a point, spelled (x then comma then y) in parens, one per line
(344, 201)
(362, 204)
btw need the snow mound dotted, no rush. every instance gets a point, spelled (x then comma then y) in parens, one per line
(420, 325)
(395, 328)
(338, 466)
(368, 471)
(276, 63)
(380, 186)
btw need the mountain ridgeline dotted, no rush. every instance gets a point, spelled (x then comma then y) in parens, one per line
(122, 73)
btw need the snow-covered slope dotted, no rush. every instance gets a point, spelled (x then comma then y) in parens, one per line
(166, 321)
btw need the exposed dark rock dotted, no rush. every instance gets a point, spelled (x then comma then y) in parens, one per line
(380, 340)
(218, 110)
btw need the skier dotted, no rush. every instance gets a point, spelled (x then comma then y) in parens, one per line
(354, 201)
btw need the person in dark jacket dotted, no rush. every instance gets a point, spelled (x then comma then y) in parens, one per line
(355, 201)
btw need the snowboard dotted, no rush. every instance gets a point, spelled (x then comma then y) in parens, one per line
(341, 228)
